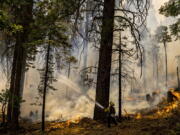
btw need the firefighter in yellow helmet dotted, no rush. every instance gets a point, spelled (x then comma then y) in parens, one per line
(111, 114)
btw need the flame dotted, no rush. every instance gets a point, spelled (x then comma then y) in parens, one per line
(75, 121)
(167, 109)
(176, 94)
(138, 116)
(55, 125)
(68, 122)
(171, 106)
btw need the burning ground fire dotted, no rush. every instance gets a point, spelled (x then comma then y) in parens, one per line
(60, 125)
(171, 106)
(138, 116)
(165, 110)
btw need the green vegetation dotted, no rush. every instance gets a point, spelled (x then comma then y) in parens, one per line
(172, 8)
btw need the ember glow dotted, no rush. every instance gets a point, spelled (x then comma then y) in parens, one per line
(170, 106)
(138, 116)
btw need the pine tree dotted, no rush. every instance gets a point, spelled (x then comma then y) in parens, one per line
(23, 13)
(46, 80)
(54, 44)
(123, 16)
(70, 60)
(105, 56)
(28, 25)
(171, 8)
(120, 77)
(163, 37)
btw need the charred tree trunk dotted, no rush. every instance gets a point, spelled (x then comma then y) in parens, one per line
(23, 18)
(165, 51)
(45, 86)
(3, 113)
(105, 56)
(178, 79)
(12, 85)
(120, 90)
(17, 83)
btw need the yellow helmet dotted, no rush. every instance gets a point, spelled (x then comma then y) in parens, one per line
(111, 103)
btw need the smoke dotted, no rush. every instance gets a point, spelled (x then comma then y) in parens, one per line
(65, 103)
(73, 100)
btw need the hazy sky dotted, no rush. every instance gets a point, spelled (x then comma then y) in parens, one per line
(154, 20)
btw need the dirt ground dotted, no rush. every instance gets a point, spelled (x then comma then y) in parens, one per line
(144, 126)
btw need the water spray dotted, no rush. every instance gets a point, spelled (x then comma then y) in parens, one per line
(73, 86)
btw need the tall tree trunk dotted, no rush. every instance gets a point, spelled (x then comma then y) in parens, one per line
(145, 71)
(178, 81)
(166, 66)
(105, 56)
(23, 73)
(69, 71)
(24, 18)
(45, 87)
(12, 85)
(120, 90)
(3, 111)
(14, 101)
(155, 65)
(157, 72)
(13, 106)
(17, 82)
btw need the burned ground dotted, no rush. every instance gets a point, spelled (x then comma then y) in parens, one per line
(161, 120)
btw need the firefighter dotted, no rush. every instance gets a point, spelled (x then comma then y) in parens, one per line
(111, 114)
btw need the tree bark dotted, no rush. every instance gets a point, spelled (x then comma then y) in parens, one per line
(120, 90)
(105, 57)
(23, 73)
(69, 71)
(23, 18)
(17, 82)
(157, 72)
(144, 72)
(178, 81)
(165, 51)
(12, 85)
(45, 87)
(3, 109)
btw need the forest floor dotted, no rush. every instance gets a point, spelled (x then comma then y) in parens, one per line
(161, 120)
